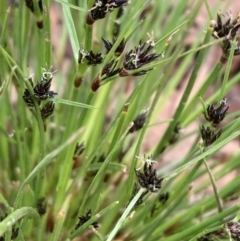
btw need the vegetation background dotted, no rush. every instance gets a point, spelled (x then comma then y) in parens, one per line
(125, 160)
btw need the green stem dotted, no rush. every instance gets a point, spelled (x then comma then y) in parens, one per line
(180, 187)
(208, 9)
(61, 215)
(185, 96)
(12, 64)
(124, 215)
(140, 140)
(90, 3)
(47, 35)
(42, 165)
(4, 22)
(160, 88)
(16, 215)
(23, 28)
(66, 164)
(38, 116)
(185, 235)
(93, 219)
(37, 112)
(119, 127)
(110, 129)
(88, 38)
(227, 71)
(208, 152)
(220, 208)
(99, 174)
(38, 14)
(215, 189)
(3, 7)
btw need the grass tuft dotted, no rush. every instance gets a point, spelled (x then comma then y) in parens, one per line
(115, 125)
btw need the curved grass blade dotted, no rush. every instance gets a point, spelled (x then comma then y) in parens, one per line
(73, 103)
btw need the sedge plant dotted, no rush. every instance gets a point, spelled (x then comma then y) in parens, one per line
(79, 110)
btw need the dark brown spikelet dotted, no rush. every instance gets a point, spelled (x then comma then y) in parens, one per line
(15, 230)
(216, 115)
(209, 136)
(135, 191)
(108, 45)
(223, 234)
(228, 31)
(41, 206)
(27, 96)
(117, 24)
(148, 179)
(84, 218)
(101, 7)
(163, 197)
(138, 123)
(176, 133)
(138, 58)
(2, 238)
(110, 70)
(234, 228)
(47, 110)
(28, 99)
(79, 149)
(41, 91)
(14, 233)
(29, 4)
(42, 88)
(94, 59)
